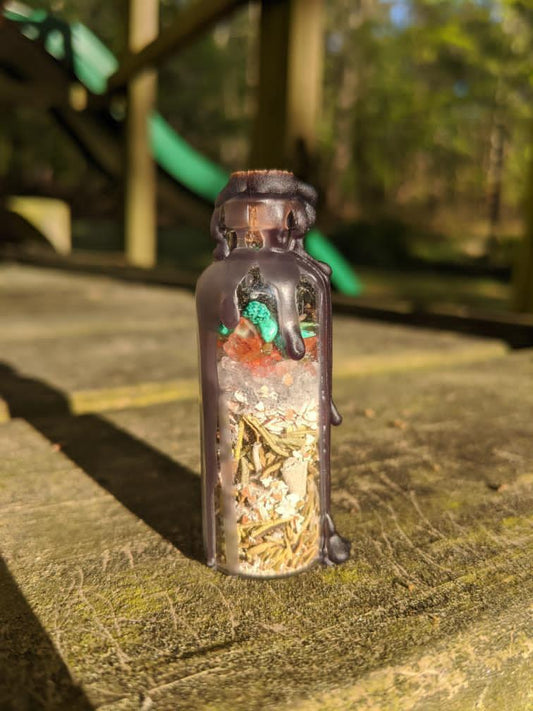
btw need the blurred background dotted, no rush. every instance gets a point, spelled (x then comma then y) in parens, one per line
(416, 131)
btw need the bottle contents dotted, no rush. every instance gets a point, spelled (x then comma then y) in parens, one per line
(267, 499)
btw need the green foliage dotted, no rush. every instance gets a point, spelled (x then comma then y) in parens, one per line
(429, 82)
(383, 243)
(206, 91)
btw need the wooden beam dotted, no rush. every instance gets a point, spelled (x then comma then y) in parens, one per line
(522, 282)
(140, 219)
(43, 96)
(290, 80)
(189, 23)
(38, 69)
(13, 93)
(97, 139)
(48, 88)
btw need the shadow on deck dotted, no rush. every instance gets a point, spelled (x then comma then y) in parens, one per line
(33, 674)
(164, 494)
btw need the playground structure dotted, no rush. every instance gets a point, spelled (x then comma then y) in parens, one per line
(67, 70)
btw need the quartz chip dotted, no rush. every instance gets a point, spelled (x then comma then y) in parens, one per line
(294, 472)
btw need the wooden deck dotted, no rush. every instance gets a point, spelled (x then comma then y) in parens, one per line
(105, 600)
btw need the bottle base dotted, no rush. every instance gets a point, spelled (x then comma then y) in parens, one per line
(249, 575)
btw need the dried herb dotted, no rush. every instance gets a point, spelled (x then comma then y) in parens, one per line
(274, 428)
(270, 543)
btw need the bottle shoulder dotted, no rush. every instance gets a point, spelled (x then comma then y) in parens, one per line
(219, 272)
(209, 276)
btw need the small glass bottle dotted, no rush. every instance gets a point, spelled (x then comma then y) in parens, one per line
(264, 325)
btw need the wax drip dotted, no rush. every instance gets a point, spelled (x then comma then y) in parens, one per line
(336, 417)
(337, 547)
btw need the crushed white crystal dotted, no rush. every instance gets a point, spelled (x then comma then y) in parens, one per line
(268, 395)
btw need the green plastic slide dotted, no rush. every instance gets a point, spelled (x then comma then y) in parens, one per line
(93, 64)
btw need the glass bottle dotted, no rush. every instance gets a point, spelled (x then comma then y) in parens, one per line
(264, 326)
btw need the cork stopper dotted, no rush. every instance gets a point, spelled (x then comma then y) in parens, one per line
(265, 184)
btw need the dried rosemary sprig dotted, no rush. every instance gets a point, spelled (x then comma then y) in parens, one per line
(278, 531)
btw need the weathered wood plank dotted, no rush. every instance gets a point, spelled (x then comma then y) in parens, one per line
(33, 675)
(109, 344)
(433, 484)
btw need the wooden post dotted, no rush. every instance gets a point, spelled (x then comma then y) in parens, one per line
(140, 219)
(522, 283)
(290, 82)
(522, 296)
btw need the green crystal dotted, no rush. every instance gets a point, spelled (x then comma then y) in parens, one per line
(224, 330)
(260, 316)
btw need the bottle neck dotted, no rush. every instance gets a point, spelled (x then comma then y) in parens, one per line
(258, 224)
(255, 238)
